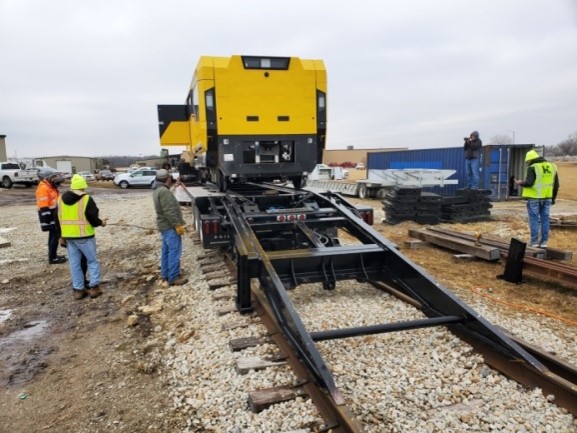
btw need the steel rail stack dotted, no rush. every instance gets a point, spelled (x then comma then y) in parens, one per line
(283, 238)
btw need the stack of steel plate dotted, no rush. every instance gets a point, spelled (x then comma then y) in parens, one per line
(406, 203)
(467, 205)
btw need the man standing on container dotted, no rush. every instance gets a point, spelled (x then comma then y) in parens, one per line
(540, 190)
(170, 223)
(472, 149)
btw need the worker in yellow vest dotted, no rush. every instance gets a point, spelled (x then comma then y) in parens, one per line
(78, 216)
(540, 189)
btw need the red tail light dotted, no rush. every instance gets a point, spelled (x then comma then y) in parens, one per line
(367, 217)
(206, 227)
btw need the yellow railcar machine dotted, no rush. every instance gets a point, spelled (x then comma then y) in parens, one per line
(250, 118)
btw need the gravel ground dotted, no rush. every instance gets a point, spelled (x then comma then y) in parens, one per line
(146, 357)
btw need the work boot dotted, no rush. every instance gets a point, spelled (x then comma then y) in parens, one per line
(79, 294)
(57, 260)
(94, 292)
(178, 281)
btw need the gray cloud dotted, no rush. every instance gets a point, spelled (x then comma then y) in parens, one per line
(84, 78)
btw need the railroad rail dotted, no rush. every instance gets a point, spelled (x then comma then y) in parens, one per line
(279, 238)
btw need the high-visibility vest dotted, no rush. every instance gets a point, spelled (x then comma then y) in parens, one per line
(73, 222)
(544, 181)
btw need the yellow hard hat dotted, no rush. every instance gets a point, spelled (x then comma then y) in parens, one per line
(531, 155)
(78, 182)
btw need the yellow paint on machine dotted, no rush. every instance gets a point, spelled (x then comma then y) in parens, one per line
(249, 102)
(176, 134)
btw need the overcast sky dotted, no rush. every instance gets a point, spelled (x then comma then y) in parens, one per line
(84, 77)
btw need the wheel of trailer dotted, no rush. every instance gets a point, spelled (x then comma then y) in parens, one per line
(6, 182)
(363, 191)
(222, 181)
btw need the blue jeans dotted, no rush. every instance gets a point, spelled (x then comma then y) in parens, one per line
(472, 172)
(170, 255)
(538, 210)
(76, 249)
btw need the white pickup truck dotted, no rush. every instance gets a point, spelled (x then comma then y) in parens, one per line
(12, 173)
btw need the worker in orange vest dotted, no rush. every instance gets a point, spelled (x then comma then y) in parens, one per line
(47, 201)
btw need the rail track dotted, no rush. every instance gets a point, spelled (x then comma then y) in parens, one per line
(279, 239)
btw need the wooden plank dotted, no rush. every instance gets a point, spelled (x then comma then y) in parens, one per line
(217, 284)
(413, 244)
(212, 267)
(461, 245)
(261, 399)
(244, 365)
(246, 342)
(221, 296)
(235, 325)
(217, 274)
(4, 243)
(227, 310)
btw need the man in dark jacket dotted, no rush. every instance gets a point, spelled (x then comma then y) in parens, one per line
(47, 202)
(170, 223)
(78, 216)
(472, 149)
(540, 189)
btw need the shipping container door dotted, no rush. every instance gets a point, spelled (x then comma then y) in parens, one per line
(495, 174)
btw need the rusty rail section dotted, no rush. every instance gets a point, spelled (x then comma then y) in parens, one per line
(480, 246)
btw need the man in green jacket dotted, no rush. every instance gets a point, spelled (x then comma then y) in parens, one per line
(170, 223)
(540, 190)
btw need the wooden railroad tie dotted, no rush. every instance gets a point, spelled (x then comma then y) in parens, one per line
(227, 310)
(4, 243)
(244, 343)
(261, 399)
(244, 365)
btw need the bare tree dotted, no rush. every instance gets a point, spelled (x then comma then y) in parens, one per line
(500, 139)
(567, 147)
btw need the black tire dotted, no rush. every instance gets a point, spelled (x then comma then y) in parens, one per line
(6, 182)
(123, 184)
(363, 191)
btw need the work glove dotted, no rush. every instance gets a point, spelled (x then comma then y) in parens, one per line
(62, 242)
(552, 202)
(180, 230)
(104, 221)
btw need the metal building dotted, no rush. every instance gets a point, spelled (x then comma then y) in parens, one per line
(499, 163)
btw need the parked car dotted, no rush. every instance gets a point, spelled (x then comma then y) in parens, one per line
(138, 178)
(87, 175)
(105, 175)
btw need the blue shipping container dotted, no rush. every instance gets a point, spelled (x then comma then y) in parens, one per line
(499, 163)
